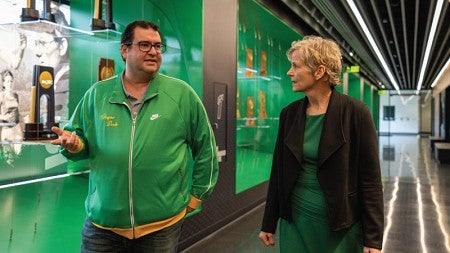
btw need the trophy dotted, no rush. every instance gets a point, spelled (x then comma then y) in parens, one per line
(97, 22)
(238, 113)
(262, 105)
(250, 115)
(105, 69)
(263, 71)
(249, 63)
(30, 13)
(42, 87)
(47, 11)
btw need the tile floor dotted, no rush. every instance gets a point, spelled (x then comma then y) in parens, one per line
(417, 205)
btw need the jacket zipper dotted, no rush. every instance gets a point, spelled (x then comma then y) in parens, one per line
(130, 170)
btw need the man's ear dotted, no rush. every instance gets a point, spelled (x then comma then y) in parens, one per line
(123, 51)
(320, 72)
(63, 47)
(63, 44)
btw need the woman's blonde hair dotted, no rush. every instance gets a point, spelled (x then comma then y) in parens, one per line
(315, 51)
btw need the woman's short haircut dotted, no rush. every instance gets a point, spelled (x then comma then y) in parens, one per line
(315, 51)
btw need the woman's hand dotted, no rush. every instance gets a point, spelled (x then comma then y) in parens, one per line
(267, 238)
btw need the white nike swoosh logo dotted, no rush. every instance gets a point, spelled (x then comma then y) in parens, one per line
(155, 116)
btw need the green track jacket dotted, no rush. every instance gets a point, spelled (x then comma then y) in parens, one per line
(141, 170)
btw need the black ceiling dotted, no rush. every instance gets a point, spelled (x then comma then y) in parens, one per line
(400, 28)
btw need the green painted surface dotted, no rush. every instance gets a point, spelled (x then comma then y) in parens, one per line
(43, 217)
(354, 86)
(260, 31)
(376, 109)
(33, 161)
(368, 95)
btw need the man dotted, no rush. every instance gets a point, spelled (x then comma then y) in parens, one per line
(137, 129)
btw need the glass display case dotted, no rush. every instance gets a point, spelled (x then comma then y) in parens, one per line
(46, 43)
(263, 89)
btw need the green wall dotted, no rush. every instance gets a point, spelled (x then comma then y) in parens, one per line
(367, 96)
(376, 109)
(354, 86)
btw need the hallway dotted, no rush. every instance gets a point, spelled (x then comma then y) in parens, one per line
(416, 197)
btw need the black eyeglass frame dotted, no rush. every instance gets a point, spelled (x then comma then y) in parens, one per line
(162, 47)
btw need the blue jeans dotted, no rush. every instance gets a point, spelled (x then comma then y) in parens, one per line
(95, 240)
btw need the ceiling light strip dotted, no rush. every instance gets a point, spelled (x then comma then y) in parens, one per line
(363, 25)
(436, 16)
(445, 68)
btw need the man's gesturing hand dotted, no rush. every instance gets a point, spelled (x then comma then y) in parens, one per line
(68, 140)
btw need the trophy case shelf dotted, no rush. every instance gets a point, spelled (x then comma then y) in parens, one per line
(37, 26)
(257, 78)
(258, 123)
(107, 34)
(28, 142)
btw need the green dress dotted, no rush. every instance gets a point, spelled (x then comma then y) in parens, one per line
(310, 231)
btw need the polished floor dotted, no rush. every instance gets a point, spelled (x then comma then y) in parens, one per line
(416, 197)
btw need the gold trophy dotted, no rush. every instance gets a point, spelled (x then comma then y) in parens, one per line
(262, 105)
(43, 86)
(263, 71)
(238, 113)
(105, 69)
(249, 63)
(250, 116)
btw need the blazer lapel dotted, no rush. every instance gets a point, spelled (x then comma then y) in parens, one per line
(332, 137)
(295, 135)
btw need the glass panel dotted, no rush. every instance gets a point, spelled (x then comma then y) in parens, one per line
(263, 89)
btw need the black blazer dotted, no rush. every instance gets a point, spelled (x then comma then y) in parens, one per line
(348, 167)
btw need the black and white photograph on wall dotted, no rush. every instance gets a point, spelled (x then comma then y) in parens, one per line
(23, 45)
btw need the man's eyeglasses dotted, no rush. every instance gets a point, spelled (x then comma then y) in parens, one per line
(145, 46)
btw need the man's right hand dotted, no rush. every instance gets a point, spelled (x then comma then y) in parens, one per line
(68, 140)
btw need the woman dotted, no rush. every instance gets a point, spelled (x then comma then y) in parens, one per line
(325, 185)
(9, 109)
(10, 128)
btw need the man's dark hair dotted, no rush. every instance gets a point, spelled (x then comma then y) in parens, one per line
(128, 34)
